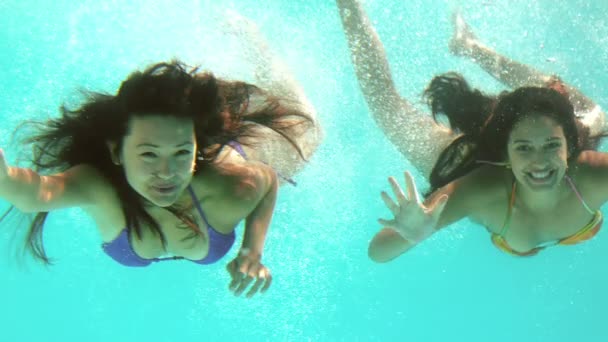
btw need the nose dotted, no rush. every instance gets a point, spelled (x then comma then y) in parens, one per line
(540, 159)
(166, 169)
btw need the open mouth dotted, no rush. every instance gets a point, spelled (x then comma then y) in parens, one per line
(540, 176)
(165, 189)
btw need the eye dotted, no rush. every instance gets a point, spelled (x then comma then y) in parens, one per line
(522, 148)
(148, 155)
(184, 153)
(553, 145)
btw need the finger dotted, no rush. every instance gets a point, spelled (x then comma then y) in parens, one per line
(412, 192)
(231, 267)
(268, 282)
(387, 223)
(236, 276)
(243, 285)
(247, 267)
(389, 203)
(236, 282)
(249, 271)
(256, 286)
(401, 199)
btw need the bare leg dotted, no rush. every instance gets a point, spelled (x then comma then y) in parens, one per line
(414, 133)
(514, 74)
(276, 80)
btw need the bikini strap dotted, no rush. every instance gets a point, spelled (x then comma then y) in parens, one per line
(237, 147)
(578, 195)
(505, 225)
(198, 206)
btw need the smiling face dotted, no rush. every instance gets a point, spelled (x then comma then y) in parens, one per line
(538, 152)
(158, 157)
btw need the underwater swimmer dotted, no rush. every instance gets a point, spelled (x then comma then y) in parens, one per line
(530, 175)
(527, 172)
(160, 166)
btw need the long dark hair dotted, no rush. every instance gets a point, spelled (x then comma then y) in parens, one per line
(467, 110)
(80, 136)
(485, 123)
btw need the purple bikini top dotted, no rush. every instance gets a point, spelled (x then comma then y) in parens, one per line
(121, 250)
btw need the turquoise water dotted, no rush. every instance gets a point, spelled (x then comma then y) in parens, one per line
(455, 287)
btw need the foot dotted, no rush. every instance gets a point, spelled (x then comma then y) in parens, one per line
(463, 39)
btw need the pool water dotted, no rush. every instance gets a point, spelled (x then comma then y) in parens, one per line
(454, 287)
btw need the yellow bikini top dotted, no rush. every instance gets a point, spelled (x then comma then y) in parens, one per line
(584, 234)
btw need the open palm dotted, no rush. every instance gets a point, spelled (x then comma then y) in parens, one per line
(412, 219)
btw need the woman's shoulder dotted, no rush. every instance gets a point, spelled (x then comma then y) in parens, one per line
(590, 167)
(590, 174)
(483, 186)
(97, 186)
(101, 199)
(233, 179)
(486, 179)
(88, 177)
(475, 194)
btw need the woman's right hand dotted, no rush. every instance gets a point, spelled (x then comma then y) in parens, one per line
(246, 270)
(412, 219)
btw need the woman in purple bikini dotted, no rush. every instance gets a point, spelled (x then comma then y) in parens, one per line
(169, 166)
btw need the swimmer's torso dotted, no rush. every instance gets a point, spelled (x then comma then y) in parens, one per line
(226, 194)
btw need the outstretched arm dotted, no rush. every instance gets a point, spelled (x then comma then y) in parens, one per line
(414, 133)
(415, 220)
(31, 192)
(273, 76)
(515, 74)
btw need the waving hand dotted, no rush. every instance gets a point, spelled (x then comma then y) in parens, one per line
(411, 218)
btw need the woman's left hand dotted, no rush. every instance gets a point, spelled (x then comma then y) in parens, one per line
(246, 269)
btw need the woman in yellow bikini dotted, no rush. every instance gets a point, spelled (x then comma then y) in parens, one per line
(521, 173)
(524, 169)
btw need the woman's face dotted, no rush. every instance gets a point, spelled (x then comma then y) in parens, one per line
(158, 156)
(538, 152)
